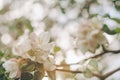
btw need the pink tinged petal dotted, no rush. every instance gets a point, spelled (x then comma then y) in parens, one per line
(18, 73)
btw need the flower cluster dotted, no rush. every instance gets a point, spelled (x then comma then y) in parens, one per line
(34, 47)
(90, 36)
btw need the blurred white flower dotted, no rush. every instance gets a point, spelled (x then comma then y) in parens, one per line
(6, 38)
(22, 45)
(90, 36)
(11, 66)
(41, 41)
(41, 48)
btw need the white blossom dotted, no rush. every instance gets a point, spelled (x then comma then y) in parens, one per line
(41, 48)
(11, 66)
(90, 36)
(22, 45)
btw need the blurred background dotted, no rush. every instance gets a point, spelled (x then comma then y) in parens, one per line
(62, 18)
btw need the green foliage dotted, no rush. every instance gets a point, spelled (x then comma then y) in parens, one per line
(40, 72)
(1, 54)
(88, 73)
(117, 4)
(38, 75)
(28, 67)
(36, 68)
(72, 1)
(3, 74)
(116, 19)
(111, 32)
(117, 30)
(19, 25)
(94, 64)
(26, 76)
(93, 15)
(56, 49)
(4, 10)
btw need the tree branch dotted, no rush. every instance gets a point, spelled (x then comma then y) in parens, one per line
(110, 73)
(63, 70)
(94, 56)
(100, 76)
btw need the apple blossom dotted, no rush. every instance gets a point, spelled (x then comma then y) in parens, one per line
(12, 67)
(41, 49)
(90, 36)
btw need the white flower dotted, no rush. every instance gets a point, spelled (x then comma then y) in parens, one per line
(90, 36)
(41, 48)
(12, 67)
(36, 47)
(41, 41)
(22, 45)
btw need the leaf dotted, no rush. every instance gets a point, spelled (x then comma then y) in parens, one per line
(107, 30)
(117, 30)
(116, 19)
(93, 63)
(30, 66)
(117, 4)
(40, 68)
(72, 1)
(38, 75)
(56, 49)
(26, 76)
(51, 75)
(88, 73)
(92, 15)
(1, 54)
(40, 72)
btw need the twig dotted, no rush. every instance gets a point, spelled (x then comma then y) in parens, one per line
(110, 73)
(94, 56)
(63, 70)
(100, 76)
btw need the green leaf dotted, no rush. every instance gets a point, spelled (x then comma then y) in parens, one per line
(26, 76)
(40, 72)
(116, 19)
(117, 4)
(40, 68)
(28, 67)
(88, 73)
(56, 49)
(1, 54)
(107, 30)
(72, 1)
(92, 15)
(3, 74)
(93, 63)
(38, 75)
(117, 30)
